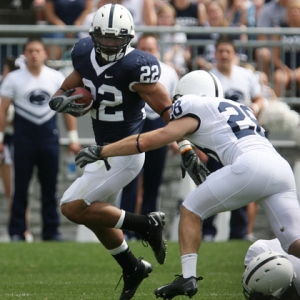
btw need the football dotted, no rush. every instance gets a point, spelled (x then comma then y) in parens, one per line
(87, 98)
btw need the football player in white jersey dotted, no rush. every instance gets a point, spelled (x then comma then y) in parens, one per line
(121, 79)
(36, 139)
(253, 170)
(260, 289)
(240, 85)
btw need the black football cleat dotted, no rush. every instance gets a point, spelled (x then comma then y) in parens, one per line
(132, 281)
(180, 286)
(154, 236)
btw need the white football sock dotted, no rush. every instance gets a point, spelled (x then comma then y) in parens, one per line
(119, 249)
(121, 220)
(189, 265)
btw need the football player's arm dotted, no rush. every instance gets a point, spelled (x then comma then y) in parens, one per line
(138, 143)
(72, 81)
(63, 102)
(71, 126)
(4, 104)
(157, 98)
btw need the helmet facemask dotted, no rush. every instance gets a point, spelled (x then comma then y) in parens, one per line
(110, 47)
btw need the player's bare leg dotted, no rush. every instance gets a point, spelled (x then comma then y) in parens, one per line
(190, 239)
(101, 218)
(190, 236)
(295, 249)
(102, 214)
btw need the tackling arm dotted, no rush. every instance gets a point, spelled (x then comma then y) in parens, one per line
(144, 142)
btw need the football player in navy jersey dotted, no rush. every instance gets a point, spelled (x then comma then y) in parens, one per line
(253, 170)
(121, 79)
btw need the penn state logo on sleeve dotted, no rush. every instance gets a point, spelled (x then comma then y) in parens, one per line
(38, 97)
(235, 95)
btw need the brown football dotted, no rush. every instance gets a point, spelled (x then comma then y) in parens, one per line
(87, 97)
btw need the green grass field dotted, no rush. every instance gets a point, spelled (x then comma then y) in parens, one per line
(82, 271)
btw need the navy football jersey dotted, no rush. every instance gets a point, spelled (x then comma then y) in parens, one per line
(118, 111)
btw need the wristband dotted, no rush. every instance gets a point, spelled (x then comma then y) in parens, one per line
(184, 146)
(1, 137)
(255, 108)
(73, 136)
(62, 89)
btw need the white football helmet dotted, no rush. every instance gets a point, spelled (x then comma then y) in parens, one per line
(201, 83)
(267, 276)
(112, 31)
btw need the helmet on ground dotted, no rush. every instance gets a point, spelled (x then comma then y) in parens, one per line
(112, 31)
(267, 276)
(201, 83)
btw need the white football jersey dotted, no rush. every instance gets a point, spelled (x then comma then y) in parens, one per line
(226, 129)
(31, 94)
(241, 86)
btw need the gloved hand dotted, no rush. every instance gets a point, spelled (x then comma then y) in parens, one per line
(90, 154)
(191, 163)
(65, 103)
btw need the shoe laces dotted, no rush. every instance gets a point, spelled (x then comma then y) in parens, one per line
(179, 276)
(148, 236)
(122, 276)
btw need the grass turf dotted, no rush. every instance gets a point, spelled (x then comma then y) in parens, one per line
(85, 271)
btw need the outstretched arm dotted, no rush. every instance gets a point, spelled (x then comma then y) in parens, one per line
(139, 143)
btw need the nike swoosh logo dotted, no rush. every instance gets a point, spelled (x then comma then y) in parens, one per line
(107, 76)
(155, 222)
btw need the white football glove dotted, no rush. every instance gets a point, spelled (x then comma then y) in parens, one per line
(65, 103)
(89, 155)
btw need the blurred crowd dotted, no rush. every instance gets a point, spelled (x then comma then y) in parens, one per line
(280, 66)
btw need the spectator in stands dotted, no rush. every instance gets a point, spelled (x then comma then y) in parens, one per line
(61, 13)
(236, 13)
(142, 192)
(215, 18)
(190, 14)
(142, 11)
(176, 55)
(272, 14)
(287, 70)
(240, 85)
(6, 156)
(39, 8)
(267, 92)
(35, 138)
(258, 4)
